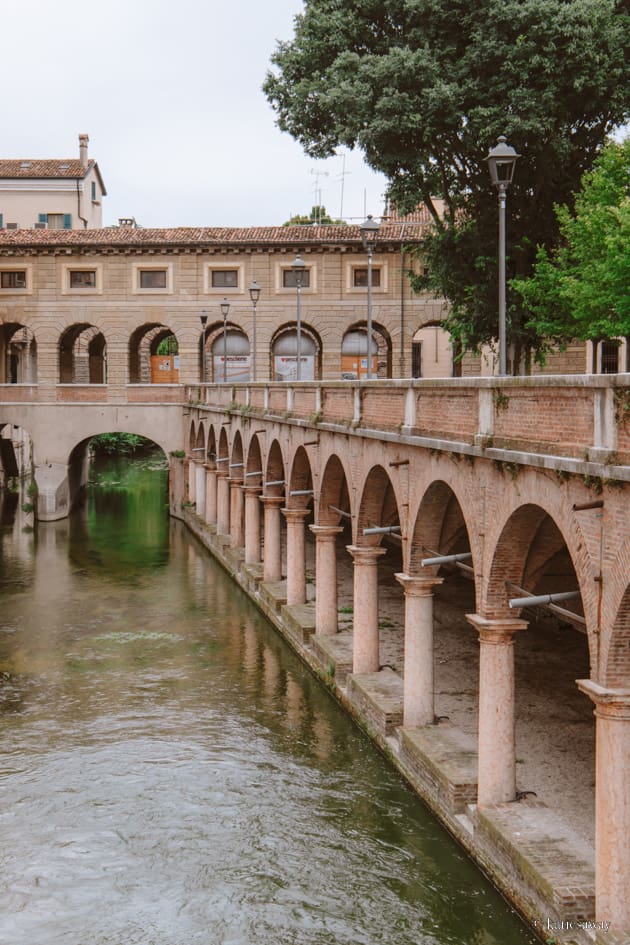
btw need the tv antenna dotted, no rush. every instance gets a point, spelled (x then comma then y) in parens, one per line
(318, 191)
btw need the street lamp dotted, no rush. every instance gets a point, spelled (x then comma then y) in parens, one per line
(369, 234)
(501, 163)
(254, 294)
(203, 318)
(225, 308)
(298, 268)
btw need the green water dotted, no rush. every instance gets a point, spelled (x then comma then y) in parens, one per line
(172, 775)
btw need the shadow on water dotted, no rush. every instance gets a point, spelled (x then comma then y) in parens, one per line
(171, 773)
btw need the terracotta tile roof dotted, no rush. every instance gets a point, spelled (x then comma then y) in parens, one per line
(36, 168)
(208, 236)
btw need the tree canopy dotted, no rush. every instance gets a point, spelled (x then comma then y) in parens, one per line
(318, 215)
(581, 289)
(425, 87)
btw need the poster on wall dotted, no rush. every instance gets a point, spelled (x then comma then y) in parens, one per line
(285, 367)
(236, 369)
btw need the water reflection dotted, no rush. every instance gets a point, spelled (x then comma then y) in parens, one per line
(171, 773)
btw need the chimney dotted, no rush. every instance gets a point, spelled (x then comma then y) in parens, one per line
(83, 149)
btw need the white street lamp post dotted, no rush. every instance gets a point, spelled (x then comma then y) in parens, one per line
(369, 234)
(254, 294)
(225, 308)
(501, 163)
(298, 267)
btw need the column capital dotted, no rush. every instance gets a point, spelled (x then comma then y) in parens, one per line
(609, 703)
(222, 473)
(272, 501)
(498, 631)
(365, 554)
(295, 515)
(418, 585)
(210, 465)
(326, 532)
(252, 490)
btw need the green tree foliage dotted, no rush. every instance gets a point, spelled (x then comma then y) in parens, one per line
(125, 443)
(318, 215)
(425, 87)
(581, 289)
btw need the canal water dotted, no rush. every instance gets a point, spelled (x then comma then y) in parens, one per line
(170, 772)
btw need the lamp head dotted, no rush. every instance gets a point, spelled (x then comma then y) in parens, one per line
(225, 308)
(254, 292)
(369, 232)
(203, 318)
(298, 267)
(501, 163)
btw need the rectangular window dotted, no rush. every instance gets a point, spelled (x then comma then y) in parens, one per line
(360, 277)
(224, 278)
(82, 278)
(288, 279)
(56, 221)
(93, 190)
(13, 279)
(152, 278)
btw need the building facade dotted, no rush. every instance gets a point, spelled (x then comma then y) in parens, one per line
(54, 193)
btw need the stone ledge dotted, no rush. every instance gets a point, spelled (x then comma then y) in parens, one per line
(379, 698)
(545, 859)
(299, 620)
(443, 761)
(333, 654)
(274, 594)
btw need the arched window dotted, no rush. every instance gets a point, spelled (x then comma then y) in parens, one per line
(354, 355)
(230, 358)
(285, 353)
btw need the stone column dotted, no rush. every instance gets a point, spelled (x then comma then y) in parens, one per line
(272, 554)
(200, 489)
(296, 563)
(211, 494)
(236, 513)
(192, 481)
(612, 810)
(496, 751)
(365, 655)
(223, 503)
(252, 524)
(326, 606)
(418, 688)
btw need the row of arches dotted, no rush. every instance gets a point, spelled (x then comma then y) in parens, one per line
(225, 354)
(306, 511)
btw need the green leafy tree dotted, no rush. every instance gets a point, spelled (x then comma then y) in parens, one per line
(425, 87)
(581, 289)
(318, 215)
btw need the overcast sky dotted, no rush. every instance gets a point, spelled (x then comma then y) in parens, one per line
(169, 92)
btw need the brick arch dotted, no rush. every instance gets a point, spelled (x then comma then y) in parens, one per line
(440, 527)
(378, 506)
(528, 539)
(223, 451)
(615, 654)
(211, 446)
(254, 462)
(88, 368)
(334, 493)
(236, 469)
(200, 440)
(274, 469)
(300, 478)
(192, 436)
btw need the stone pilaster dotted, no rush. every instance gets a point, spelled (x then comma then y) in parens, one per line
(223, 503)
(236, 513)
(272, 550)
(200, 489)
(211, 494)
(252, 524)
(418, 686)
(365, 653)
(612, 805)
(326, 601)
(496, 753)
(296, 556)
